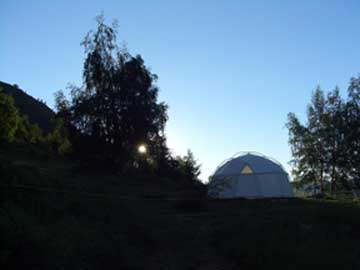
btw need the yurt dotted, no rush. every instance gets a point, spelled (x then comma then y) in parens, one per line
(250, 175)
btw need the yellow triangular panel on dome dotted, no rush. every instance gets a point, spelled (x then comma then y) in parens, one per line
(246, 169)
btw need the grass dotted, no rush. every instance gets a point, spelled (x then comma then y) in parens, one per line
(101, 221)
(292, 234)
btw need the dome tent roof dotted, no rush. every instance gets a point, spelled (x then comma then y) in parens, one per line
(248, 162)
(250, 175)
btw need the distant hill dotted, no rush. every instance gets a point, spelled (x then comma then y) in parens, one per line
(37, 111)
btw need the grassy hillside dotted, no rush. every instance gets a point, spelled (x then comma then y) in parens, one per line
(37, 111)
(55, 216)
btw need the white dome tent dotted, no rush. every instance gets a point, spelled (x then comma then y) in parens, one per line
(250, 175)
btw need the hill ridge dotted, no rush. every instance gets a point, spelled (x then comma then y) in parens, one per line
(38, 112)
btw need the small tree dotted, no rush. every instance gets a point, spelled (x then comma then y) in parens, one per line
(58, 139)
(9, 118)
(317, 133)
(301, 143)
(188, 167)
(28, 133)
(334, 140)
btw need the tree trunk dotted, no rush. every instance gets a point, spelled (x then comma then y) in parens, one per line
(315, 187)
(332, 186)
(322, 178)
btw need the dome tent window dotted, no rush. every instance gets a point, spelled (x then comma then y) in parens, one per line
(246, 170)
(250, 175)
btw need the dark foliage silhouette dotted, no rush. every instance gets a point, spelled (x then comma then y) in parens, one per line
(116, 108)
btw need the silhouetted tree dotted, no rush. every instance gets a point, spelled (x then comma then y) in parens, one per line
(334, 139)
(307, 143)
(116, 109)
(352, 136)
(186, 167)
(316, 128)
(301, 144)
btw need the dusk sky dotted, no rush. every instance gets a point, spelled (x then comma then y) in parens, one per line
(229, 70)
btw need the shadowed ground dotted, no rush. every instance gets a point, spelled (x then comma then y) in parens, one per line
(54, 216)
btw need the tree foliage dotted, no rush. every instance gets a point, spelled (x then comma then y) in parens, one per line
(326, 148)
(36, 111)
(16, 127)
(58, 139)
(9, 118)
(187, 166)
(116, 109)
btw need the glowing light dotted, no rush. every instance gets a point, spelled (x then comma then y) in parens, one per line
(142, 149)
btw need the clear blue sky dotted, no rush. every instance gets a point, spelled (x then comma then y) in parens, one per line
(230, 70)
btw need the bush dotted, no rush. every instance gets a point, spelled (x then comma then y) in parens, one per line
(9, 118)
